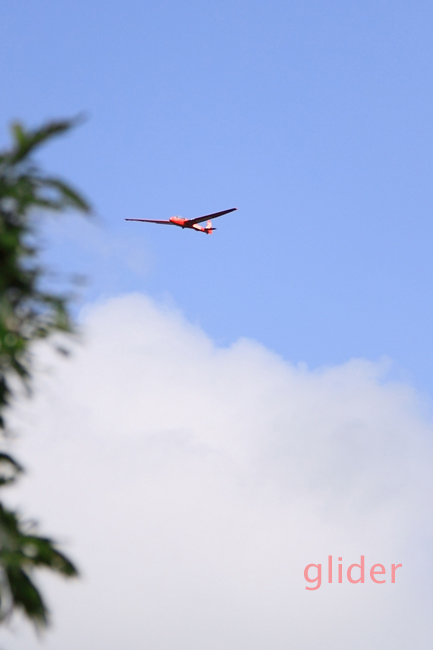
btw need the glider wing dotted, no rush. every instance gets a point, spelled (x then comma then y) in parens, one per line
(190, 222)
(168, 223)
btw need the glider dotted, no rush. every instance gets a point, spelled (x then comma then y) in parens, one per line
(190, 223)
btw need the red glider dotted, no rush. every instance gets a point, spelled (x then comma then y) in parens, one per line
(190, 223)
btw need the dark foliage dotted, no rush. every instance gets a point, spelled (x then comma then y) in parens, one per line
(27, 313)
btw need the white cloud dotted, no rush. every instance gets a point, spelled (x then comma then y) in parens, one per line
(193, 484)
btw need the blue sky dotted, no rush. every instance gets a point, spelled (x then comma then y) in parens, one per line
(313, 118)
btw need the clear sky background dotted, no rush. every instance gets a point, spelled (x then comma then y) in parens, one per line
(314, 119)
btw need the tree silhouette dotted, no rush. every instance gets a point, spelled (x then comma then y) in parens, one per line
(28, 313)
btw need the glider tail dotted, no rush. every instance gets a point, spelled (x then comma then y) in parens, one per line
(209, 228)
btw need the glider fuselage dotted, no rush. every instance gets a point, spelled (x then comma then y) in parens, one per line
(178, 221)
(183, 223)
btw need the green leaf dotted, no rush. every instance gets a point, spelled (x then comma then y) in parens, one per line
(71, 196)
(20, 554)
(9, 469)
(26, 596)
(19, 133)
(27, 141)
